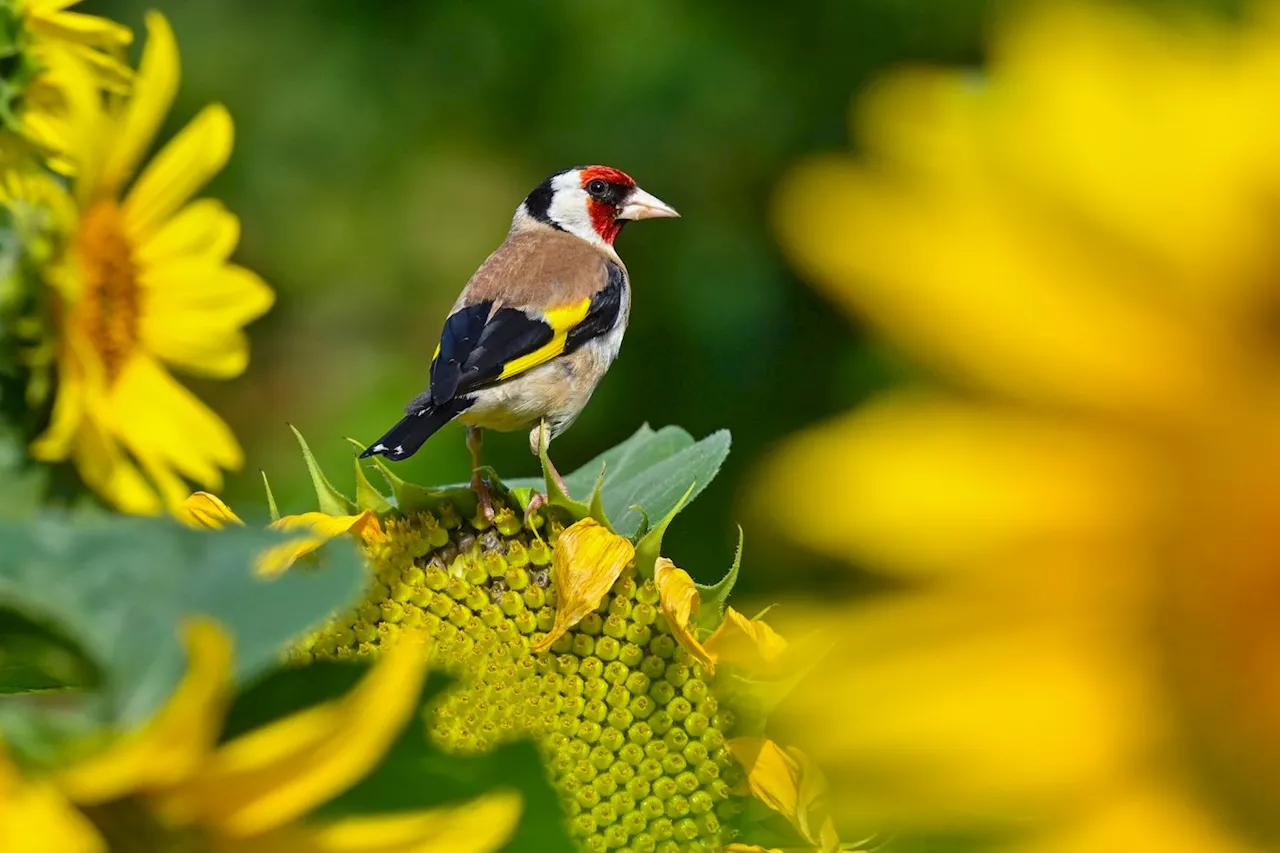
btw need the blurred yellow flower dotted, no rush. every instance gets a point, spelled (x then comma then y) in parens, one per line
(172, 785)
(205, 511)
(63, 49)
(1085, 237)
(149, 287)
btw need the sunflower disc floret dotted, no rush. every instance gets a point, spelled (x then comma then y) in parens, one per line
(628, 722)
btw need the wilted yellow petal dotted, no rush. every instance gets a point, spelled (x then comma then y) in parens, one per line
(588, 559)
(679, 601)
(480, 826)
(36, 818)
(318, 528)
(174, 743)
(203, 510)
(280, 772)
(748, 644)
(788, 783)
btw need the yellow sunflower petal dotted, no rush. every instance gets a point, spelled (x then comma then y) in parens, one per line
(787, 782)
(990, 292)
(55, 443)
(193, 297)
(1146, 817)
(480, 826)
(182, 167)
(1027, 482)
(153, 91)
(160, 420)
(280, 772)
(203, 510)
(318, 528)
(82, 29)
(1070, 713)
(679, 600)
(108, 470)
(588, 559)
(748, 644)
(176, 741)
(36, 818)
(203, 231)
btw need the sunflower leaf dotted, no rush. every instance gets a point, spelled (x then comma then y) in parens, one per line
(119, 588)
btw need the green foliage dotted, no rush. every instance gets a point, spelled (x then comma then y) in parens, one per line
(647, 476)
(118, 589)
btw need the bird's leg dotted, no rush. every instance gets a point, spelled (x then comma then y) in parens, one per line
(478, 484)
(539, 499)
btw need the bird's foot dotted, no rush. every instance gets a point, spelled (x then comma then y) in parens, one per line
(480, 486)
(536, 502)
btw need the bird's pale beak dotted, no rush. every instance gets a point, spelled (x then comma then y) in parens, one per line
(641, 205)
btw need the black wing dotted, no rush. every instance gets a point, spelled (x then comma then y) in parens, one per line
(475, 348)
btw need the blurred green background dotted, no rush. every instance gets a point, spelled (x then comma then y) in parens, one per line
(382, 146)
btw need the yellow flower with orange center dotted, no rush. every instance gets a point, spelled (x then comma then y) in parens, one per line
(172, 786)
(146, 287)
(1084, 236)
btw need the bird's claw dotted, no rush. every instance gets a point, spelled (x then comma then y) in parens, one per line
(481, 487)
(536, 502)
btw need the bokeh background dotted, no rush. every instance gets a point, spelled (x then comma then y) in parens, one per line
(382, 146)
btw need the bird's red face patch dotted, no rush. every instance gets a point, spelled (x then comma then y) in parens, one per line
(606, 189)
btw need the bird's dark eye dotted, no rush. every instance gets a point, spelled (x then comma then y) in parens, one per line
(597, 188)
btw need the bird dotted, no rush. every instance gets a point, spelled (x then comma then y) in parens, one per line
(537, 326)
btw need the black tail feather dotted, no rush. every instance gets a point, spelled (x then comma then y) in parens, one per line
(405, 438)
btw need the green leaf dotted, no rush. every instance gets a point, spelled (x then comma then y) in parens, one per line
(35, 656)
(332, 502)
(644, 476)
(410, 497)
(677, 479)
(715, 598)
(120, 588)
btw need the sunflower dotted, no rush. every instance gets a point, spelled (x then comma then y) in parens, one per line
(150, 288)
(53, 47)
(1087, 525)
(172, 786)
(646, 695)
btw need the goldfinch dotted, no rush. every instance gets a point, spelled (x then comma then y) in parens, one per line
(537, 326)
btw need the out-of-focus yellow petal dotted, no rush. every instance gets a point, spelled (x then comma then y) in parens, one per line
(157, 418)
(588, 559)
(153, 91)
(679, 600)
(36, 818)
(931, 485)
(173, 744)
(1147, 817)
(280, 772)
(480, 826)
(182, 167)
(989, 291)
(203, 510)
(748, 644)
(317, 529)
(203, 231)
(787, 782)
(976, 682)
(191, 296)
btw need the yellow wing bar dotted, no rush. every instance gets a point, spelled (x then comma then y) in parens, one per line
(562, 321)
